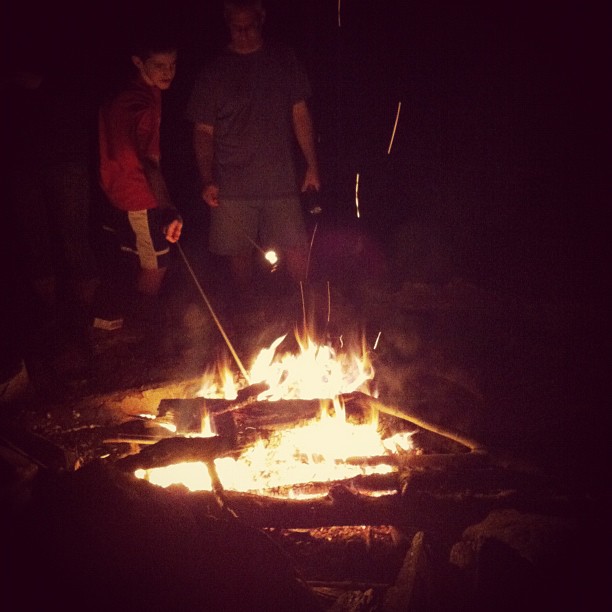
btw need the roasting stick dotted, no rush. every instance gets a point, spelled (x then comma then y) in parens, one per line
(476, 448)
(471, 444)
(212, 313)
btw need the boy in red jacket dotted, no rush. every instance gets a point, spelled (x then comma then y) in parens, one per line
(130, 171)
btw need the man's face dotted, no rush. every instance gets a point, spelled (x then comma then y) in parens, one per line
(245, 26)
(158, 69)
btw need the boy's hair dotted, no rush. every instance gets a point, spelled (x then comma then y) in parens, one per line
(151, 41)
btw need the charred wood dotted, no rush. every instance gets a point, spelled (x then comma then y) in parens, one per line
(187, 413)
(277, 415)
(417, 510)
(176, 450)
(366, 484)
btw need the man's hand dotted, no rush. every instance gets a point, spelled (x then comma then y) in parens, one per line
(210, 194)
(311, 180)
(304, 132)
(203, 145)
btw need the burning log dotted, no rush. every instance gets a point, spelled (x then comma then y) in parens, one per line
(340, 507)
(370, 485)
(244, 419)
(277, 415)
(443, 501)
(176, 450)
(443, 461)
(187, 413)
(446, 513)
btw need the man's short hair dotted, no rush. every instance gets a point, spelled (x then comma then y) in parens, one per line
(236, 5)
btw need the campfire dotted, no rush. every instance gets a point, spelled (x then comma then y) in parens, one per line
(305, 423)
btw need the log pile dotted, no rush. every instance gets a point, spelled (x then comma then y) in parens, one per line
(429, 489)
(104, 532)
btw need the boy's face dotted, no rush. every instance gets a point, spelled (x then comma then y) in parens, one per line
(158, 69)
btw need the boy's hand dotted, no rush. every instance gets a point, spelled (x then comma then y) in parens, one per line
(172, 224)
(173, 230)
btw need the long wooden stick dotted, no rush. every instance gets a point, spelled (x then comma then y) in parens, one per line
(214, 316)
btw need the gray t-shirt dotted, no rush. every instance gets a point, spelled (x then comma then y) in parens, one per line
(248, 99)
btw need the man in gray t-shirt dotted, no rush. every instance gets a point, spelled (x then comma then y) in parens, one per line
(248, 107)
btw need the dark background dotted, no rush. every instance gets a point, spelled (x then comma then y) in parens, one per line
(500, 153)
(497, 175)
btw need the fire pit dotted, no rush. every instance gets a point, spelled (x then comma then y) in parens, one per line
(343, 474)
(250, 493)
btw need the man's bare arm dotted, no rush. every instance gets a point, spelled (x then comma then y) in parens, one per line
(304, 132)
(204, 150)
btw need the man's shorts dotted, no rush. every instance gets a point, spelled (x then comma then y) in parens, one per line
(237, 224)
(140, 233)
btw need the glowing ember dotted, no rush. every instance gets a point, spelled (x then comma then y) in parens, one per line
(315, 452)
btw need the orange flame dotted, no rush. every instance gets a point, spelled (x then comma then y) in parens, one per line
(313, 452)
